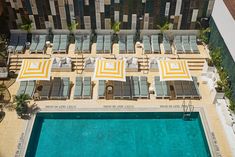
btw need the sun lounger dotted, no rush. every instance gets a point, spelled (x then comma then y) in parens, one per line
(78, 88)
(146, 44)
(179, 92)
(126, 88)
(101, 89)
(30, 88)
(55, 91)
(45, 91)
(117, 90)
(158, 89)
(63, 43)
(13, 42)
(100, 44)
(155, 44)
(22, 88)
(166, 89)
(122, 44)
(193, 43)
(135, 88)
(86, 94)
(41, 44)
(107, 44)
(56, 43)
(187, 88)
(178, 44)
(186, 45)
(86, 44)
(34, 43)
(130, 44)
(166, 45)
(78, 44)
(21, 44)
(195, 88)
(144, 91)
(65, 88)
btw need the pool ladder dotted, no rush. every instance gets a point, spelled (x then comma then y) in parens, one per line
(187, 109)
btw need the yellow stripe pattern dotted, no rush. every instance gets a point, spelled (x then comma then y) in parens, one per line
(107, 69)
(174, 70)
(32, 69)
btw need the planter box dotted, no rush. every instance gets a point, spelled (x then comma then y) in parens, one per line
(217, 95)
(211, 69)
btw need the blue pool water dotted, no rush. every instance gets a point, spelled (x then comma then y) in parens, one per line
(117, 135)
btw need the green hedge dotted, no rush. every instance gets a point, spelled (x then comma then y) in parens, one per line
(224, 62)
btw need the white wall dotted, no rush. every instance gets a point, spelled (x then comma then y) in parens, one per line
(225, 24)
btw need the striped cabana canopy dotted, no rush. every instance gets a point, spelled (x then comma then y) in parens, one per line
(172, 70)
(32, 69)
(109, 69)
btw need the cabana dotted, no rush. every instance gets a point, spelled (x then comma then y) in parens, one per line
(31, 71)
(112, 70)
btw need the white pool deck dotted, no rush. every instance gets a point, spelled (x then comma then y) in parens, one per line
(11, 128)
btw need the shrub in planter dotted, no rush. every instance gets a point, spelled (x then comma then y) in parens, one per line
(220, 87)
(21, 104)
(116, 29)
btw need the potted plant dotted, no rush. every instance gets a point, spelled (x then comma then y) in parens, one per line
(211, 66)
(203, 33)
(27, 26)
(116, 29)
(72, 27)
(165, 26)
(220, 90)
(21, 104)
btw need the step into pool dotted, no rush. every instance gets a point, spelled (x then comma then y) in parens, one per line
(112, 134)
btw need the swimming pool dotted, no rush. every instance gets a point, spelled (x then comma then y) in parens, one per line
(132, 134)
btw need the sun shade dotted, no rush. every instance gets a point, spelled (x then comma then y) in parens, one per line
(171, 70)
(109, 69)
(32, 69)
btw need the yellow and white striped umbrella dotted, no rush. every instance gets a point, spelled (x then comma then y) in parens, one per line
(108, 69)
(171, 70)
(32, 69)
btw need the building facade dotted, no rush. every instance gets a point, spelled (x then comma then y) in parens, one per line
(222, 35)
(101, 14)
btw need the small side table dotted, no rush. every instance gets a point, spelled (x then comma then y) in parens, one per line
(36, 96)
(48, 43)
(27, 45)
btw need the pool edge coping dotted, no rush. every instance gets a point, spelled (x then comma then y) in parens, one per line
(211, 141)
